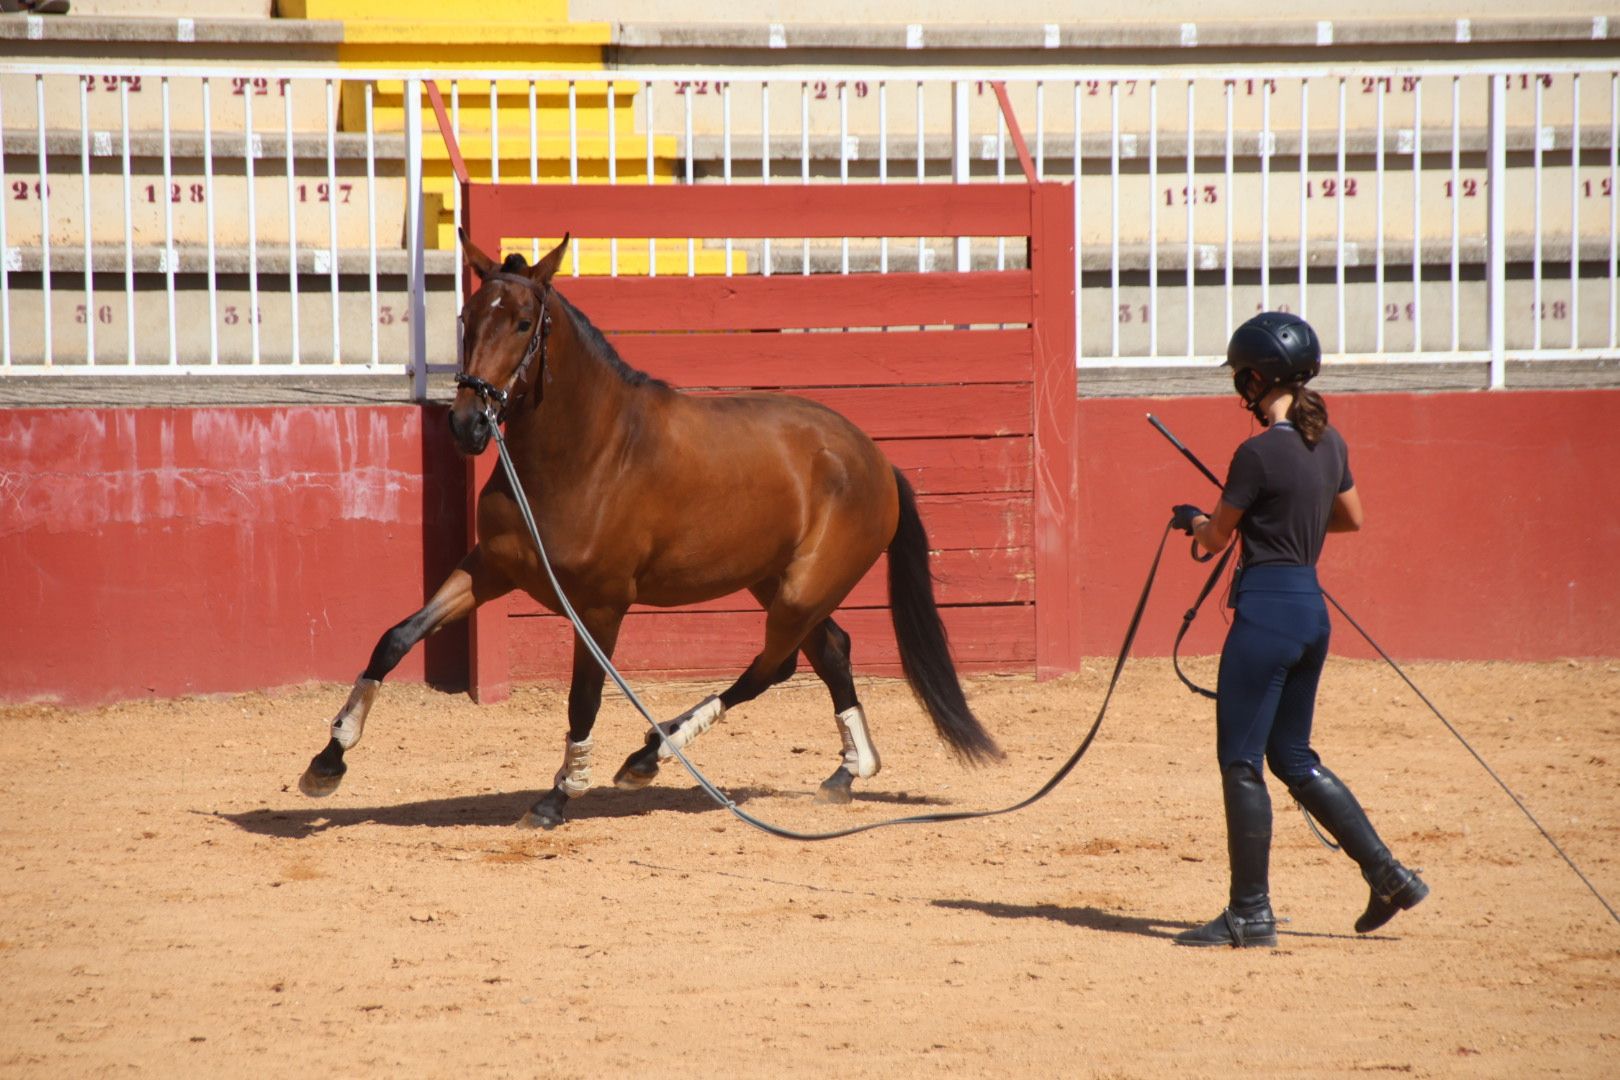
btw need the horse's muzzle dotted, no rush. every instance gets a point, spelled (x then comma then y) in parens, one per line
(470, 427)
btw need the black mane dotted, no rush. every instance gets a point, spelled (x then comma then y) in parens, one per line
(598, 344)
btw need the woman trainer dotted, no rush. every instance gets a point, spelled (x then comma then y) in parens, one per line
(1287, 487)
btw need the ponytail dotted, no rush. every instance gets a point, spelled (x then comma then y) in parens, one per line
(1308, 414)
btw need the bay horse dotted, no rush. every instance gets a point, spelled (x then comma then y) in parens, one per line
(646, 495)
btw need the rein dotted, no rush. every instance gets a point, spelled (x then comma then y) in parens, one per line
(720, 796)
(494, 398)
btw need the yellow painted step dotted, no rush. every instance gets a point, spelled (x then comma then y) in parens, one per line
(475, 149)
(551, 110)
(596, 257)
(544, 11)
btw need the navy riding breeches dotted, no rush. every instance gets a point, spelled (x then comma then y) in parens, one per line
(1270, 666)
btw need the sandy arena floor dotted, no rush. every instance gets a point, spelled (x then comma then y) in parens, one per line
(172, 906)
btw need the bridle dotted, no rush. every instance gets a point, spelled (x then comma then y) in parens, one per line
(496, 399)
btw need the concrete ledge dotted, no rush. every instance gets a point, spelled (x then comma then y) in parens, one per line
(346, 146)
(181, 31)
(1294, 33)
(1213, 381)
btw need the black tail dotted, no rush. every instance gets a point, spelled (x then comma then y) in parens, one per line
(924, 652)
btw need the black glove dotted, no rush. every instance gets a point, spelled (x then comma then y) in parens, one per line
(1181, 517)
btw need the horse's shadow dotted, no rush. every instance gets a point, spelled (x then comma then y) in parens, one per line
(506, 807)
(1091, 918)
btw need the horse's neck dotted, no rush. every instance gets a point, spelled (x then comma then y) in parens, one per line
(582, 405)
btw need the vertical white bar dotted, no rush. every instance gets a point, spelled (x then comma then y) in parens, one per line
(765, 157)
(1456, 213)
(883, 165)
(455, 191)
(612, 165)
(1537, 208)
(1191, 200)
(961, 160)
(922, 174)
(1575, 211)
(1231, 196)
(1153, 218)
(1378, 213)
(1417, 216)
(331, 218)
(89, 219)
(1079, 160)
(1614, 210)
(1265, 194)
(495, 137)
(725, 126)
(691, 242)
(573, 160)
(534, 152)
(1040, 130)
(208, 201)
(417, 240)
(1338, 209)
(843, 165)
(371, 220)
(297, 353)
(647, 89)
(1113, 211)
(249, 149)
(804, 163)
(128, 225)
(44, 193)
(1496, 231)
(1001, 178)
(5, 250)
(1304, 180)
(169, 253)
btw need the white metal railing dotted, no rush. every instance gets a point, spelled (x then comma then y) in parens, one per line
(1414, 212)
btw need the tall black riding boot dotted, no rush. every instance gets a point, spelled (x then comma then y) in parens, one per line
(1247, 920)
(1394, 887)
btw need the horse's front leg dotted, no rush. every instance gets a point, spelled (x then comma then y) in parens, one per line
(470, 584)
(584, 699)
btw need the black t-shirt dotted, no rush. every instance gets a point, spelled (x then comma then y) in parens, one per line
(1286, 490)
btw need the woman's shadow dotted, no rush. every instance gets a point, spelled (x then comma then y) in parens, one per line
(1088, 918)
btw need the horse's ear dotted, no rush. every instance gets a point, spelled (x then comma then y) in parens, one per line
(481, 264)
(546, 267)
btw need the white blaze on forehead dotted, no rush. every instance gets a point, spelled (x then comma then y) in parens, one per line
(495, 303)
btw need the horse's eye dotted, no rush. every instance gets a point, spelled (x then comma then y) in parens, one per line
(523, 326)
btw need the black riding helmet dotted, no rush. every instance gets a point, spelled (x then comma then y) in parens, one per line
(1280, 348)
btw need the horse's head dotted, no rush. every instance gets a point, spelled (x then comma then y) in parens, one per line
(503, 341)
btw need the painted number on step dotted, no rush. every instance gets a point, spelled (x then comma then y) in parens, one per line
(233, 315)
(1206, 194)
(178, 193)
(1329, 188)
(103, 314)
(700, 87)
(22, 190)
(109, 83)
(386, 316)
(242, 86)
(322, 192)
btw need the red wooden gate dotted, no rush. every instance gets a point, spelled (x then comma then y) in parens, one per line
(965, 379)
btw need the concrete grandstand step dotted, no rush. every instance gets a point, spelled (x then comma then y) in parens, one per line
(228, 319)
(238, 99)
(1581, 316)
(358, 203)
(419, 11)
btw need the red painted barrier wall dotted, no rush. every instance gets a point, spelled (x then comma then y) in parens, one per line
(173, 551)
(1492, 527)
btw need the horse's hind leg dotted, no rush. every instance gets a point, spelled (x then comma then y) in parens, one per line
(827, 649)
(784, 629)
(470, 584)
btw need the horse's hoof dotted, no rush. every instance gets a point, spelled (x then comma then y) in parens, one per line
(318, 785)
(538, 819)
(634, 775)
(547, 813)
(839, 788)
